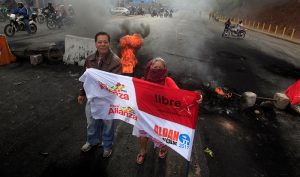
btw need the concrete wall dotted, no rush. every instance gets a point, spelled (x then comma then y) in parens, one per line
(77, 49)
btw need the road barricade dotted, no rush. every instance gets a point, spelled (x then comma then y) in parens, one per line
(77, 49)
(6, 57)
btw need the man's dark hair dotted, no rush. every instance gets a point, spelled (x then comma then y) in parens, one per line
(102, 33)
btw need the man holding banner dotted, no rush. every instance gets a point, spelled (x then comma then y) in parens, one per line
(168, 115)
(100, 130)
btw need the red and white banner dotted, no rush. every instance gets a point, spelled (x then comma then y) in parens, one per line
(168, 115)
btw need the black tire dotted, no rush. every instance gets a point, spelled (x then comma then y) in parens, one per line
(9, 30)
(54, 55)
(40, 19)
(242, 35)
(51, 24)
(32, 28)
(226, 33)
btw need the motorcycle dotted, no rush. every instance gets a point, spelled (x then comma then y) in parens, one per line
(154, 13)
(166, 14)
(234, 32)
(54, 21)
(43, 16)
(17, 24)
(3, 14)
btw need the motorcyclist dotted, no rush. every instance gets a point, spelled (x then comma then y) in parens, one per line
(49, 9)
(71, 10)
(227, 24)
(21, 10)
(239, 26)
(61, 14)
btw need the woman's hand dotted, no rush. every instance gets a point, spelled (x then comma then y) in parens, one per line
(81, 99)
(201, 98)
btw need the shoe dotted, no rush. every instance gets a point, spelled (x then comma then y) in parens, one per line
(162, 152)
(107, 153)
(140, 158)
(86, 147)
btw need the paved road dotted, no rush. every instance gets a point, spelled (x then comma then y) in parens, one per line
(41, 114)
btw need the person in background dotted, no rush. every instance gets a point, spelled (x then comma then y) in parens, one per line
(61, 14)
(227, 24)
(49, 9)
(21, 10)
(71, 10)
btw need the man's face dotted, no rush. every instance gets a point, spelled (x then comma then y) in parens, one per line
(102, 44)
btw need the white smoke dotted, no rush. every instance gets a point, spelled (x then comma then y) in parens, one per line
(91, 15)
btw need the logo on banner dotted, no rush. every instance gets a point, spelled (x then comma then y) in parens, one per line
(184, 141)
(117, 90)
(123, 111)
(173, 137)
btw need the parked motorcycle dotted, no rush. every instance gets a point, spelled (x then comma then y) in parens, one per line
(234, 32)
(17, 24)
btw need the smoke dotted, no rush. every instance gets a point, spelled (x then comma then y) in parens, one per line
(245, 7)
(180, 40)
(91, 15)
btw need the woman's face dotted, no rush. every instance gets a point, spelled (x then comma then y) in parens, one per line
(158, 65)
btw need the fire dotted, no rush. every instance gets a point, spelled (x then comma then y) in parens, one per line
(129, 45)
(220, 91)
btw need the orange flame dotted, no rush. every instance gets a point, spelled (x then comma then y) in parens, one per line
(129, 45)
(219, 91)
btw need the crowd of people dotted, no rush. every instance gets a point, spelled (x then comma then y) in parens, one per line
(153, 11)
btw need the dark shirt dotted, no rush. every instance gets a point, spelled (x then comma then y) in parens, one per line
(109, 63)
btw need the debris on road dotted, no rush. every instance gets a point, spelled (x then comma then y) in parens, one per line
(45, 154)
(36, 59)
(209, 152)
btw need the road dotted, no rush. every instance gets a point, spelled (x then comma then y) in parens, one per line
(43, 128)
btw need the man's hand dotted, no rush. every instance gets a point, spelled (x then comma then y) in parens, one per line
(81, 99)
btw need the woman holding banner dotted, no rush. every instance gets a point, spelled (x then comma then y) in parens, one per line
(156, 72)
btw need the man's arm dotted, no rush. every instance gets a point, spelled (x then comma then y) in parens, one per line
(82, 96)
(117, 69)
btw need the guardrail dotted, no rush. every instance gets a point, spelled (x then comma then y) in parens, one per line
(266, 28)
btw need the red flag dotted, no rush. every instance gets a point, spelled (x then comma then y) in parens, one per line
(293, 92)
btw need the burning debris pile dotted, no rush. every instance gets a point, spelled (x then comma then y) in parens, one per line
(129, 44)
(225, 101)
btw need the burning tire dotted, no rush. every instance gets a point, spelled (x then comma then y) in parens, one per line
(9, 30)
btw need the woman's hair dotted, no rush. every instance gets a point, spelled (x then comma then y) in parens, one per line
(161, 60)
